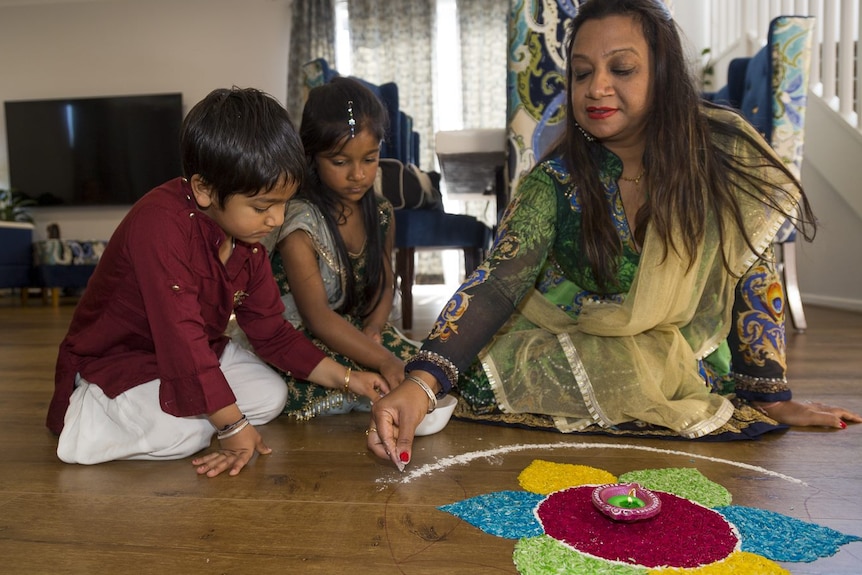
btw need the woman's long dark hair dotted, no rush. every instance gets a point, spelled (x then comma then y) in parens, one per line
(325, 128)
(686, 174)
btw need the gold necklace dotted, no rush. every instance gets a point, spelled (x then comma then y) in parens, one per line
(636, 180)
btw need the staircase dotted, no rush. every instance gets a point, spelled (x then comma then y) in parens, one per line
(830, 267)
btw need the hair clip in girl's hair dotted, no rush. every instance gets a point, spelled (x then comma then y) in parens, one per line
(351, 121)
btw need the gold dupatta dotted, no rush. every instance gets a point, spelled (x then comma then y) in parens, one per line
(637, 361)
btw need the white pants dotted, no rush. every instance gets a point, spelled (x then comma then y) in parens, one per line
(133, 425)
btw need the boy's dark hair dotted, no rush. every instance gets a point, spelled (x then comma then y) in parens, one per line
(326, 128)
(240, 141)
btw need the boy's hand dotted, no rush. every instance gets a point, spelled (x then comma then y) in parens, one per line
(234, 452)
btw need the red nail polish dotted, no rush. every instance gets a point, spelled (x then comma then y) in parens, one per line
(404, 457)
(843, 426)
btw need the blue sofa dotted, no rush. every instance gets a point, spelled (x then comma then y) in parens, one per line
(16, 255)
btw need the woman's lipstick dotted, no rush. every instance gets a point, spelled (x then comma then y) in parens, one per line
(600, 113)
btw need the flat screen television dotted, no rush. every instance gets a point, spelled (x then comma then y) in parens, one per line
(93, 151)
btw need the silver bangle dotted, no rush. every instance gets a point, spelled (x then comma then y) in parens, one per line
(432, 398)
(233, 429)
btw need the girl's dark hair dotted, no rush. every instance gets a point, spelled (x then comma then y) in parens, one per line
(240, 141)
(686, 174)
(325, 129)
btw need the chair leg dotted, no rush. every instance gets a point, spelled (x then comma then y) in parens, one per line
(791, 286)
(405, 269)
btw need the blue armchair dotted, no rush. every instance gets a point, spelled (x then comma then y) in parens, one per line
(771, 90)
(415, 229)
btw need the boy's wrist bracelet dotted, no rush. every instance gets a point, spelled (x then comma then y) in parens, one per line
(235, 430)
(234, 425)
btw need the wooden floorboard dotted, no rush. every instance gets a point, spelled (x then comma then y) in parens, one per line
(321, 504)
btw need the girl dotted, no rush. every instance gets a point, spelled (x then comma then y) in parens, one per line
(332, 259)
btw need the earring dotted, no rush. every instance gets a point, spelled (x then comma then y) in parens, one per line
(587, 136)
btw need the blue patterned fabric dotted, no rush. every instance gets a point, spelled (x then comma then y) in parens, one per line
(790, 40)
(536, 79)
(771, 91)
(69, 252)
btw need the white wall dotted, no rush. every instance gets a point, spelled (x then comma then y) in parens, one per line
(79, 48)
(830, 268)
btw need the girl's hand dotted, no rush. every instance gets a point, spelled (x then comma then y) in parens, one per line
(808, 414)
(234, 452)
(369, 384)
(393, 423)
(393, 370)
(373, 333)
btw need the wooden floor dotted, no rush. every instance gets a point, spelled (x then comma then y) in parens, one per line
(321, 504)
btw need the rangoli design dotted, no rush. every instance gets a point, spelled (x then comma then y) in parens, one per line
(698, 531)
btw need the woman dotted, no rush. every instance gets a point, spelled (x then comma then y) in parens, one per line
(609, 294)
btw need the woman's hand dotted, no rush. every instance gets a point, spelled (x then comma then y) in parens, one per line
(393, 423)
(234, 453)
(371, 385)
(808, 414)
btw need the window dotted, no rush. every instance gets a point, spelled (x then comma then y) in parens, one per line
(448, 112)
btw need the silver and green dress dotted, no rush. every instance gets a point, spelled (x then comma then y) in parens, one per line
(305, 399)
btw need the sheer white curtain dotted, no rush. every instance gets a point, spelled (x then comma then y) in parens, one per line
(483, 30)
(392, 41)
(312, 35)
(397, 41)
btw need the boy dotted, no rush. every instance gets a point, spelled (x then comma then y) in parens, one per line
(145, 371)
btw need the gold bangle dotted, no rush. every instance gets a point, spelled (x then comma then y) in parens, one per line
(347, 381)
(432, 398)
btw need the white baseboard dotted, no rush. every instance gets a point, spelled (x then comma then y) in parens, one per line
(832, 302)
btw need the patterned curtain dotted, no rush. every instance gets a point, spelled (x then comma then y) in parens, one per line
(312, 35)
(483, 29)
(393, 41)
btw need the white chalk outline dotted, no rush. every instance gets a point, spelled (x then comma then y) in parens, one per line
(465, 458)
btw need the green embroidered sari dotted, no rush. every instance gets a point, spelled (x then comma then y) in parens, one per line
(557, 354)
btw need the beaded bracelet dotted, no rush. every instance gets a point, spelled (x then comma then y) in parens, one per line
(432, 399)
(444, 371)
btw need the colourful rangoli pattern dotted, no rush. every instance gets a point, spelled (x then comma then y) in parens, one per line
(698, 532)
